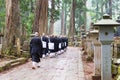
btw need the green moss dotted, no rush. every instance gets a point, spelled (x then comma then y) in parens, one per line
(114, 69)
(23, 61)
(116, 72)
(119, 70)
(1, 69)
(13, 63)
(7, 66)
(25, 54)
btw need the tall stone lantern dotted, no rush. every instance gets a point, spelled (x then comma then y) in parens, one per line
(97, 55)
(106, 33)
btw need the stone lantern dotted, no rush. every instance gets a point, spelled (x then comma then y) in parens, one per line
(82, 37)
(106, 34)
(94, 38)
(94, 34)
(90, 40)
(97, 55)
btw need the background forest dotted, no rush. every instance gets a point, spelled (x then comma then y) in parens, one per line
(20, 18)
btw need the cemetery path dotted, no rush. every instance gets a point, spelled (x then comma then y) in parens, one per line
(67, 66)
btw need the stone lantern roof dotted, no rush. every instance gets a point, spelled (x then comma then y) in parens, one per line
(94, 31)
(106, 21)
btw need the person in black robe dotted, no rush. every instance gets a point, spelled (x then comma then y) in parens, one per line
(60, 44)
(35, 50)
(56, 41)
(53, 41)
(45, 49)
(66, 43)
(66, 40)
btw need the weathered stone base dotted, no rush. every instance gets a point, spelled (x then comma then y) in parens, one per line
(96, 77)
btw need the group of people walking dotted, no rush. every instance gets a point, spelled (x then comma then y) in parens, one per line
(42, 46)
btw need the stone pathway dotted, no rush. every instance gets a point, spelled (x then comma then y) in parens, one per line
(67, 66)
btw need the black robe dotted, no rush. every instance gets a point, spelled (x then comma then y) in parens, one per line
(60, 41)
(52, 40)
(66, 40)
(56, 41)
(36, 49)
(45, 50)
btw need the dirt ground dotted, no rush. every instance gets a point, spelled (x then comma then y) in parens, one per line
(88, 68)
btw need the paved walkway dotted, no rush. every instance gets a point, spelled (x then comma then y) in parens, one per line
(67, 66)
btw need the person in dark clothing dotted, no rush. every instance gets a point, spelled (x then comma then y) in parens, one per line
(59, 45)
(51, 45)
(66, 42)
(45, 45)
(62, 44)
(56, 44)
(35, 50)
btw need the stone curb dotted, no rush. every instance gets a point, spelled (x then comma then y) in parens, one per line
(12, 63)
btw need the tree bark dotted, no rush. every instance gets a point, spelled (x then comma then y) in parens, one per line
(72, 20)
(110, 8)
(41, 17)
(65, 20)
(62, 21)
(12, 29)
(102, 9)
(52, 17)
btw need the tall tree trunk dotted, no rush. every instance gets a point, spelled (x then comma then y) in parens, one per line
(62, 20)
(97, 10)
(110, 8)
(12, 29)
(52, 17)
(72, 20)
(65, 19)
(85, 15)
(106, 7)
(41, 17)
(102, 9)
(37, 15)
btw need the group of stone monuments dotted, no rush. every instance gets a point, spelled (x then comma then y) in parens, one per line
(97, 44)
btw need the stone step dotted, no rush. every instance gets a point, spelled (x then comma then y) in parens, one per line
(11, 63)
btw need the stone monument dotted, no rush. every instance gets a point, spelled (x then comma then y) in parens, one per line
(106, 34)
